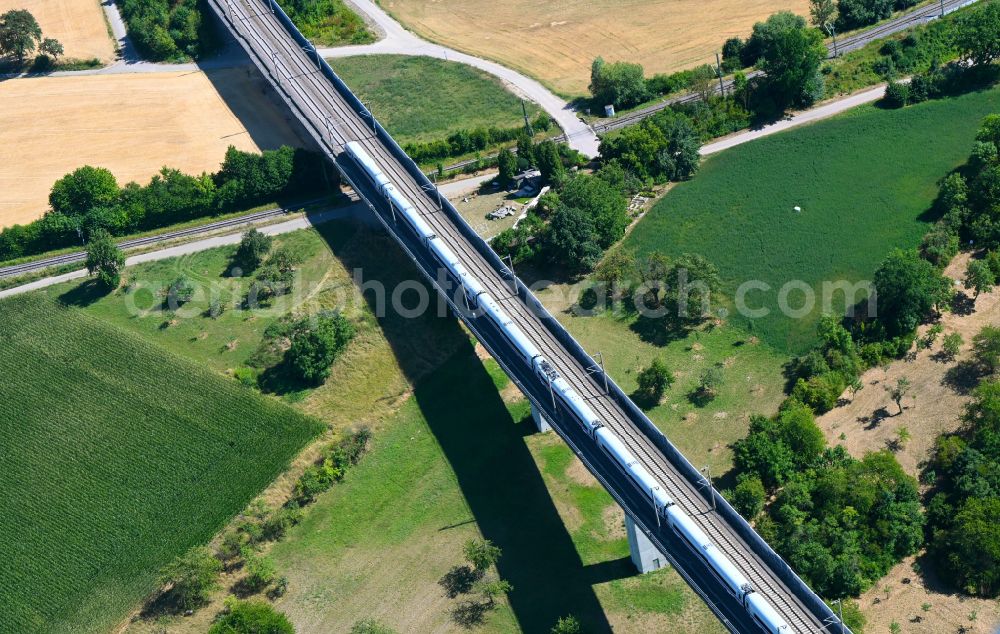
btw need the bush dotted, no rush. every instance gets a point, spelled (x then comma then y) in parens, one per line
(252, 250)
(748, 497)
(251, 617)
(191, 577)
(654, 380)
(371, 626)
(896, 94)
(260, 571)
(315, 346)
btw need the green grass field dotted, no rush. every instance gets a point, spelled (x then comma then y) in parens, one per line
(394, 88)
(455, 464)
(117, 456)
(751, 372)
(865, 182)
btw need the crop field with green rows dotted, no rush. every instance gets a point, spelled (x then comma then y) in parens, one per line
(115, 456)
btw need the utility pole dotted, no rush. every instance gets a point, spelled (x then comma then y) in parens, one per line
(833, 33)
(711, 489)
(527, 124)
(942, 8)
(840, 613)
(718, 71)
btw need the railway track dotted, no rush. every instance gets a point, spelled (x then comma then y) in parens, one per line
(294, 71)
(126, 245)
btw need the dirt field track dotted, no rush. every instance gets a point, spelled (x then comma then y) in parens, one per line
(78, 24)
(557, 40)
(132, 124)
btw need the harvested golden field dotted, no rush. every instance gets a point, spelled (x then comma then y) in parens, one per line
(556, 41)
(78, 24)
(132, 124)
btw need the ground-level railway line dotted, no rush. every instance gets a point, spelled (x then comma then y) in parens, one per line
(333, 119)
(76, 257)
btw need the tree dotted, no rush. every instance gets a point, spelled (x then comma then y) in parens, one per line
(680, 159)
(179, 292)
(105, 259)
(604, 204)
(654, 380)
(620, 84)
(748, 497)
(790, 57)
(525, 149)
(732, 54)
(857, 13)
(979, 277)
(907, 287)
(251, 617)
(51, 47)
(823, 13)
(654, 272)
(973, 546)
(87, 187)
(615, 271)
(710, 381)
(481, 553)
(899, 391)
(951, 345)
(191, 577)
(550, 163)
(977, 34)
(507, 163)
(567, 625)
(986, 348)
(493, 589)
(252, 250)
(694, 279)
(571, 240)
(702, 82)
(19, 34)
(315, 346)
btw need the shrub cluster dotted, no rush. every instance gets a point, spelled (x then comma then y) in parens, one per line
(166, 30)
(842, 523)
(963, 531)
(330, 468)
(474, 140)
(89, 199)
(329, 22)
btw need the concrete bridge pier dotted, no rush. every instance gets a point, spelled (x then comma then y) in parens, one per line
(644, 554)
(541, 422)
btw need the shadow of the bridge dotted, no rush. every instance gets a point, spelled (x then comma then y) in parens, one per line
(485, 447)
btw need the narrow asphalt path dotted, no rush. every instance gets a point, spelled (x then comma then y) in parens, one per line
(796, 119)
(398, 41)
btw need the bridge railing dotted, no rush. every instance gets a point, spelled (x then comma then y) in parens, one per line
(760, 547)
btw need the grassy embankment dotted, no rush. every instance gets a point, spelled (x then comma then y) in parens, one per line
(441, 457)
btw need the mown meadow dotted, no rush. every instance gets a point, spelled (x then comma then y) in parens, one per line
(394, 87)
(865, 183)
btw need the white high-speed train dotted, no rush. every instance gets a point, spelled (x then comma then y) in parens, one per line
(478, 298)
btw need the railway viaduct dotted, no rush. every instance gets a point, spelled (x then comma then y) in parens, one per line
(332, 115)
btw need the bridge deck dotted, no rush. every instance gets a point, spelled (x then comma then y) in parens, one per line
(333, 120)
